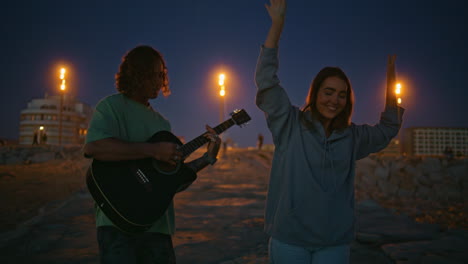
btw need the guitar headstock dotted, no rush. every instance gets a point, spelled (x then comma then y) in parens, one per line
(240, 117)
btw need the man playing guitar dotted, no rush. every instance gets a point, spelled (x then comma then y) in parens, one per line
(117, 132)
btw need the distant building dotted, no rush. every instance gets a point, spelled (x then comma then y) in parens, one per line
(433, 141)
(39, 122)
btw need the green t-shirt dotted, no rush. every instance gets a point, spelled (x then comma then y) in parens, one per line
(119, 117)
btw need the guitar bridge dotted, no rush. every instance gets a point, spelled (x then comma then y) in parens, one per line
(142, 179)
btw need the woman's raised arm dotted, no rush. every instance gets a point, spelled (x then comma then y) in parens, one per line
(277, 12)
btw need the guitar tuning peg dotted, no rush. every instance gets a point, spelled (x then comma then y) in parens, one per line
(234, 112)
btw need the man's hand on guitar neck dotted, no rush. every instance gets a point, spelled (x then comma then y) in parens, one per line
(214, 144)
(212, 151)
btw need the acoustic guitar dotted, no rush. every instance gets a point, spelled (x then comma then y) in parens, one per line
(133, 194)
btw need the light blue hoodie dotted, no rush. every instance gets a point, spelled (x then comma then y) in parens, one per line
(310, 200)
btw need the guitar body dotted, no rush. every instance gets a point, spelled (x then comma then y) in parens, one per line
(134, 194)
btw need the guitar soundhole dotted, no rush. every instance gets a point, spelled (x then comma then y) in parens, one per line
(165, 167)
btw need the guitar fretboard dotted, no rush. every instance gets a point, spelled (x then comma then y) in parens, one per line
(199, 141)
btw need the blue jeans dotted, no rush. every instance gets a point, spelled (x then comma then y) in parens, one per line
(116, 247)
(282, 253)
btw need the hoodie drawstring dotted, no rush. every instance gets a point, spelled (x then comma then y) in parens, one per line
(327, 176)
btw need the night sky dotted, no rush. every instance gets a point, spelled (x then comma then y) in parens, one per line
(200, 39)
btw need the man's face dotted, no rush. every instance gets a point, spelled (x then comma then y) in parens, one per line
(159, 79)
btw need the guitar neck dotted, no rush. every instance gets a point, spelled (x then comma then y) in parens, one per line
(199, 141)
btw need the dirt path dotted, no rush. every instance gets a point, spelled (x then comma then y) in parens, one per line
(219, 219)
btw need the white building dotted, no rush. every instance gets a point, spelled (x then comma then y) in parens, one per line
(433, 141)
(41, 117)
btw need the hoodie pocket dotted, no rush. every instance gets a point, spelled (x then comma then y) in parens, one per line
(329, 219)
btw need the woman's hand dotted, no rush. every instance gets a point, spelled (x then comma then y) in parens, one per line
(277, 10)
(391, 98)
(215, 142)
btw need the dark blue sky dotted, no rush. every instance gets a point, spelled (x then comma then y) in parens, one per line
(201, 38)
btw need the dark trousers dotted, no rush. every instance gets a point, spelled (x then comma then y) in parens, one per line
(117, 247)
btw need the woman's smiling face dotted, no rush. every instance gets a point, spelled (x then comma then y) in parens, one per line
(331, 97)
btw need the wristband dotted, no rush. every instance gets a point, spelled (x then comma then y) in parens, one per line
(209, 159)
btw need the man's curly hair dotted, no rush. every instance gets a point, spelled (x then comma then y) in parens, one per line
(137, 68)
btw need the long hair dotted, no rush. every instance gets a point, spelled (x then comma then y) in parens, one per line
(137, 69)
(343, 119)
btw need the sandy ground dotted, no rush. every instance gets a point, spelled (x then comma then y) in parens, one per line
(25, 189)
(447, 215)
(219, 218)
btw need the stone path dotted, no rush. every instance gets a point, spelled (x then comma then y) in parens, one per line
(220, 220)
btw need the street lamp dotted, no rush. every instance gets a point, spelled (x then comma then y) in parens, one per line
(222, 93)
(39, 136)
(398, 92)
(62, 91)
(398, 98)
